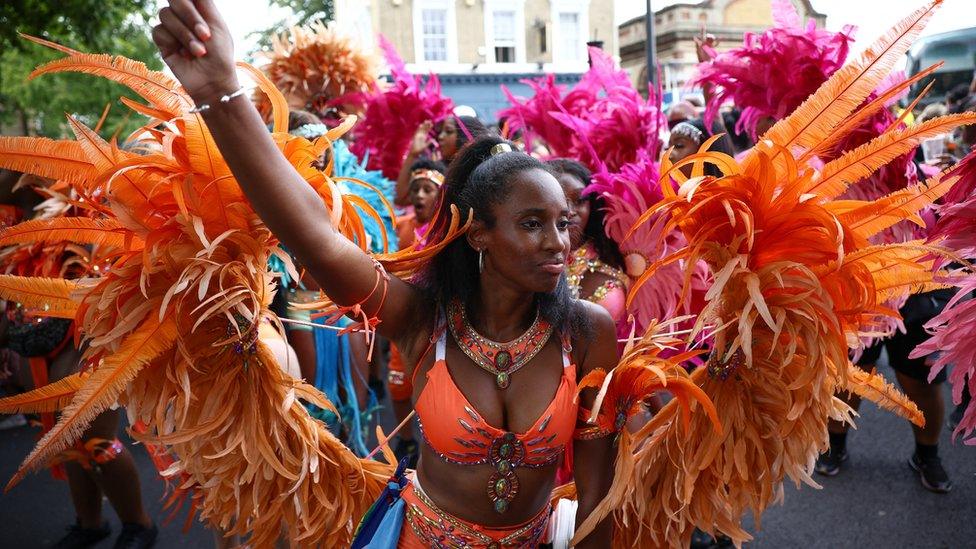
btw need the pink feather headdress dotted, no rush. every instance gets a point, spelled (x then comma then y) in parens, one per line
(602, 122)
(393, 114)
(771, 74)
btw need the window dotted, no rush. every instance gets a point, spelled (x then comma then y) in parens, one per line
(569, 37)
(505, 32)
(503, 27)
(434, 31)
(570, 31)
(433, 24)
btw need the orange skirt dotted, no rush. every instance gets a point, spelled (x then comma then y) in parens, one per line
(425, 526)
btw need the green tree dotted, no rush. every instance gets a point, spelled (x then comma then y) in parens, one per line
(303, 12)
(119, 27)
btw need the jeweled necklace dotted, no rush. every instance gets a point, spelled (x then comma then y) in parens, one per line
(499, 359)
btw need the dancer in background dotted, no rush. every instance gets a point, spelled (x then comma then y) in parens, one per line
(426, 182)
(98, 465)
(595, 266)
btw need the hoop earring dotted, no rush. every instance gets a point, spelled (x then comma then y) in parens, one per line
(481, 261)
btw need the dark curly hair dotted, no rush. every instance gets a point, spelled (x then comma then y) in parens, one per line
(606, 249)
(476, 181)
(474, 126)
(429, 164)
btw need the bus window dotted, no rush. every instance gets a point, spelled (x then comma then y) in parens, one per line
(956, 50)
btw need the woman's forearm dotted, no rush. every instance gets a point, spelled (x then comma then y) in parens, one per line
(403, 180)
(196, 44)
(601, 536)
(288, 205)
(594, 477)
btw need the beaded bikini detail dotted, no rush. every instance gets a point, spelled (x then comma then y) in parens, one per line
(458, 434)
(499, 359)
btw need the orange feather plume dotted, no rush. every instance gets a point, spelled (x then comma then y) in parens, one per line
(172, 326)
(49, 398)
(52, 296)
(314, 65)
(795, 284)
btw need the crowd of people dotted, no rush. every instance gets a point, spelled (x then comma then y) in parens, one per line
(595, 320)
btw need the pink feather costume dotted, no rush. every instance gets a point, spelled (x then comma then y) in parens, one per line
(953, 329)
(393, 114)
(772, 73)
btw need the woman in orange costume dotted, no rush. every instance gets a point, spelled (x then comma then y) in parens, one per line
(511, 262)
(503, 283)
(775, 398)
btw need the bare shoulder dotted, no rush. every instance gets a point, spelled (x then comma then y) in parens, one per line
(598, 347)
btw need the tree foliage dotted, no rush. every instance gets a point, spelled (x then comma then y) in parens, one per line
(303, 12)
(101, 26)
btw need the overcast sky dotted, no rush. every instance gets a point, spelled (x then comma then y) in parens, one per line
(873, 17)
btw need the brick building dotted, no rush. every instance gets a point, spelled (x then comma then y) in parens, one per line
(476, 45)
(676, 26)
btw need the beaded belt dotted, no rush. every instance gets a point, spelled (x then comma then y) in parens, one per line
(441, 530)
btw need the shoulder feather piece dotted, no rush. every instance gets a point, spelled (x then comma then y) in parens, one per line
(794, 287)
(172, 327)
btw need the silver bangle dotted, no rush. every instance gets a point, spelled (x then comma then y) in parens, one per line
(206, 106)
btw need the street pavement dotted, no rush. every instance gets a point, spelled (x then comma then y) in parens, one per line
(876, 501)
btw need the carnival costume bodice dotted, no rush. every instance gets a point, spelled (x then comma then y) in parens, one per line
(458, 434)
(611, 295)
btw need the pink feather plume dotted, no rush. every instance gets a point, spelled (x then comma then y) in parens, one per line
(602, 122)
(394, 113)
(953, 329)
(771, 74)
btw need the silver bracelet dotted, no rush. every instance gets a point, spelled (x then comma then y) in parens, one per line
(206, 106)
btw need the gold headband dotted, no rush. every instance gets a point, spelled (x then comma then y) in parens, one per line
(501, 148)
(424, 173)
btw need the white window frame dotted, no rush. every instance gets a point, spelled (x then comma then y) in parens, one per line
(582, 9)
(517, 6)
(418, 31)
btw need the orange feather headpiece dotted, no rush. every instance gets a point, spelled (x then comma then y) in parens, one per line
(171, 328)
(315, 66)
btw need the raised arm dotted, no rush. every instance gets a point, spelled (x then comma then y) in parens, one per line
(417, 146)
(196, 44)
(705, 48)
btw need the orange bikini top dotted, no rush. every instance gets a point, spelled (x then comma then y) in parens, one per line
(458, 434)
